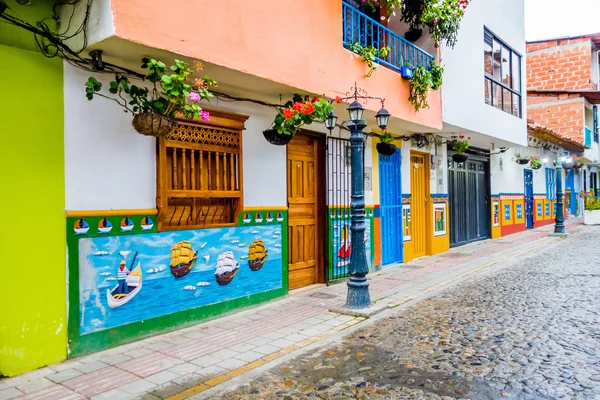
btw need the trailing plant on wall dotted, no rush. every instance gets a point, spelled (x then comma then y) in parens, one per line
(299, 112)
(389, 6)
(172, 93)
(437, 73)
(370, 54)
(419, 88)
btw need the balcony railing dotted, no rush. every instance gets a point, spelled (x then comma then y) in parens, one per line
(361, 29)
(588, 137)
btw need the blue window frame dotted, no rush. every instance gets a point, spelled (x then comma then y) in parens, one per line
(550, 184)
(595, 113)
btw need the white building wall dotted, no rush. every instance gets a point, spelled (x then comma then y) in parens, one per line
(463, 98)
(110, 166)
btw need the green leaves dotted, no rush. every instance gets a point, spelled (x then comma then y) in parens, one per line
(370, 55)
(419, 88)
(91, 87)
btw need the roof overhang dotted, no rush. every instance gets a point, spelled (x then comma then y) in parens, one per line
(543, 133)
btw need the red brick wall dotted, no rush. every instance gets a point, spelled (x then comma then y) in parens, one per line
(564, 114)
(560, 65)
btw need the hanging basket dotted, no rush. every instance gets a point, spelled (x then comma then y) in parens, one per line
(277, 138)
(406, 73)
(567, 165)
(413, 35)
(459, 157)
(537, 166)
(152, 124)
(386, 149)
(522, 161)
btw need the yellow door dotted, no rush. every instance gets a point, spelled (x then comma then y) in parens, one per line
(419, 189)
(304, 213)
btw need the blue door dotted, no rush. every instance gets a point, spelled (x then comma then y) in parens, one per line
(529, 198)
(572, 203)
(390, 189)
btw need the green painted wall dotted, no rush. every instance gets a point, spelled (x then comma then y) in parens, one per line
(33, 328)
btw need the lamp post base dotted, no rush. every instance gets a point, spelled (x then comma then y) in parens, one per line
(555, 234)
(358, 293)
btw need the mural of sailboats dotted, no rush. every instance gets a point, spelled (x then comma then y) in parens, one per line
(104, 226)
(81, 227)
(134, 285)
(227, 268)
(345, 249)
(183, 258)
(257, 255)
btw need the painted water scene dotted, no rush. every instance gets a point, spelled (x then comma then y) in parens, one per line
(125, 279)
(341, 245)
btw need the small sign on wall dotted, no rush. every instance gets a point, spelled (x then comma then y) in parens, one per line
(368, 179)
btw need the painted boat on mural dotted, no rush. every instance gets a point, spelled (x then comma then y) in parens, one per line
(269, 217)
(126, 224)
(279, 216)
(81, 227)
(147, 223)
(257, 255)
(134, 284)
(104, 226)
(227, 268)
(183, 258)
(246, 218)
(345, 250)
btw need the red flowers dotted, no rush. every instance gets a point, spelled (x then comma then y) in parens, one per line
(469, 138)
(308, 108)
(338, 99)
(297, 106)
(461, 137)
(288, 113)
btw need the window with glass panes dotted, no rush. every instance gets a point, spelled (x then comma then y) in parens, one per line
(502, 75)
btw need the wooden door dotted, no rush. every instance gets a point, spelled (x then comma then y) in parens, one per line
(419, 189)
(305, 201)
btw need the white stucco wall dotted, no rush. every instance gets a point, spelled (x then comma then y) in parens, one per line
(464, 104)
(110, 166)
(438, 175)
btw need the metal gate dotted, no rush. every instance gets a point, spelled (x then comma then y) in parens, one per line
(390, 189)
(470, 212)
(339, 177)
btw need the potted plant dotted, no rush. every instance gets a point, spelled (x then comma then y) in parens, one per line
(295, 114)
(460, 146)
(419, 88)
(386, 145)
(406, 71)
(568, 163)
(154, 110)
(388, 5)
(437, 72)
(413, 34)
(370, 55)
(591, 214)
(535, 162)
(521, 159)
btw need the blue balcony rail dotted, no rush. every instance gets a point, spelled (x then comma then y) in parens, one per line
(588, 137)
(361, 29)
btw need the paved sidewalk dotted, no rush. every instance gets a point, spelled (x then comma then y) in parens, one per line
(186, 362)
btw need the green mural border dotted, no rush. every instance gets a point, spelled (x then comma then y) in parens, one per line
(84, 344)
(370, 219)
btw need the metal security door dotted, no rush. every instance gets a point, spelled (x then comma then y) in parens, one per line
(529, 198)
(390, 189)
(470, 212)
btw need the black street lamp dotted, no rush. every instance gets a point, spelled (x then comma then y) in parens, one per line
(358, 286)
(559, 227)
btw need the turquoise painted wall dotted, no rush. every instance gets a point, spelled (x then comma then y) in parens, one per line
(33, 328)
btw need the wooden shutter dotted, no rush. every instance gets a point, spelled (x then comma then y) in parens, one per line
(200, 173)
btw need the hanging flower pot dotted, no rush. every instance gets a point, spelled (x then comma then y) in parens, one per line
(413, 35)
(522, 161)
(536, 166)
(386, 149)
(459, 157)
(567, 165)
(152, 124)
(276, 138)
(406, 72)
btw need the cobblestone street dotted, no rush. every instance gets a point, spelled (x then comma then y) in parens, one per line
(530, 330)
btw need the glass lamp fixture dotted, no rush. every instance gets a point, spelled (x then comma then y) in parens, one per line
(331, 120)
(355, 110)
(383, 117)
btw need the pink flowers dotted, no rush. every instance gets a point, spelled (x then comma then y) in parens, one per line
(195, 97)
(205, 115)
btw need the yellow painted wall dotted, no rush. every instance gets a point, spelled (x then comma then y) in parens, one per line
(33, 279)
(440, 244)
(496, 230)
(503, 204)
(520, 203)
